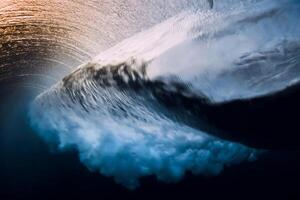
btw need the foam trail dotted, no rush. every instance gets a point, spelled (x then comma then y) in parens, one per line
(110, 109)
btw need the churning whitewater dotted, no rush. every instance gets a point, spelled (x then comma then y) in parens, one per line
(139, 108)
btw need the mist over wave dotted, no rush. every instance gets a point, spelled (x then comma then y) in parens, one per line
(125, 112)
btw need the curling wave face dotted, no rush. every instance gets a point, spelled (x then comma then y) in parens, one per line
(126, 126)
(140, 107)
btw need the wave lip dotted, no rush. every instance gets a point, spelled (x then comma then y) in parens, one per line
(138, 109)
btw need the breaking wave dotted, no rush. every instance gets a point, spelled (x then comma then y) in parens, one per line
(138, 109)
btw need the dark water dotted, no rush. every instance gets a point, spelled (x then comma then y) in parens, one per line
(29, 170)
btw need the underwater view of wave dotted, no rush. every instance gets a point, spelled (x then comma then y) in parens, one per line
(138, 108)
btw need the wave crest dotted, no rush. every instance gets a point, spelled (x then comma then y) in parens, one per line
(130, 118)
